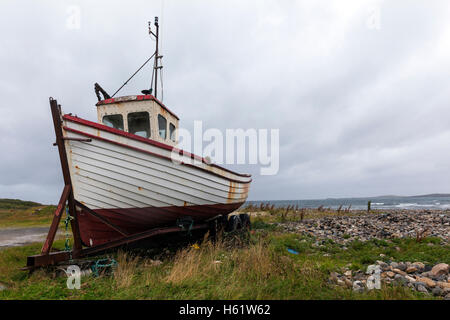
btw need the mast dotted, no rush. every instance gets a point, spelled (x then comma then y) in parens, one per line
(156, 65)
(156, 57)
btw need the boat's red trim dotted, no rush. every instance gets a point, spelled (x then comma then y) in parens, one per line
(135, 220)
(151, 153)
(136, 98)
(144, 140)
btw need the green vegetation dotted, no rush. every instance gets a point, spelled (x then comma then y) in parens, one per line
(258, 266)
(255, 265)
(18, 213)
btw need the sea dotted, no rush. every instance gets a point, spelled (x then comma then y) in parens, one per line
(429, 201)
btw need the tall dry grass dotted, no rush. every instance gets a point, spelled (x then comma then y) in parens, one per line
(192, 262)
(126, 268)
(255, 262)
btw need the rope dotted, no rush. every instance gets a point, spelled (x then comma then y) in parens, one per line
(66, 222)
(133, 74)
(99, 264)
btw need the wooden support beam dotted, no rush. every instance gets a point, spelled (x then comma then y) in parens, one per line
(56, 219)
(60, 142)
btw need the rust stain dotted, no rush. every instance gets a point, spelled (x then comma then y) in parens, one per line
(163, 112)
(231, 191)
(139, 188)
(185, 203)
(245, 191)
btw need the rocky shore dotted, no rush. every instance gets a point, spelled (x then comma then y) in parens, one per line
(417, 276)
(376, 225)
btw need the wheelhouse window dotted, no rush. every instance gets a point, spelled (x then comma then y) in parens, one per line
(172, 132)
(162, 125)
(114, 121)
(139, 124)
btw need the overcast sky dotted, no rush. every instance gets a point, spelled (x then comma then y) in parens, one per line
(360, 90)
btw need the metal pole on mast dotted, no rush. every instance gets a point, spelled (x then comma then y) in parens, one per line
(156, 57)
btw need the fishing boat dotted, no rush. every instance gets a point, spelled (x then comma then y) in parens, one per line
(125, 178)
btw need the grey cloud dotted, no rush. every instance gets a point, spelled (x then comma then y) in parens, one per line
(360, 111)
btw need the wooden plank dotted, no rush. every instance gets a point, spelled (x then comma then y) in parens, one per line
(56, 219)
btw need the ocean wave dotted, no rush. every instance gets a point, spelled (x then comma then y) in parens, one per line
(405, 205)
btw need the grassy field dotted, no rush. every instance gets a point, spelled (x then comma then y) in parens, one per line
(17, 213)
(255, 265)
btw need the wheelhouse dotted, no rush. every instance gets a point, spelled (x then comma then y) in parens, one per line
(142, 115)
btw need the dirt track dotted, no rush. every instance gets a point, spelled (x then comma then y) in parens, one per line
(13, 237)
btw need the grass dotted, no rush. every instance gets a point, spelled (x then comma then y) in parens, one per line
(18, 213)
(258, 266)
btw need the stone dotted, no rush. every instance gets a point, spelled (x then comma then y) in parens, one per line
(410, 279)
(394, 265)
(447, 296)
(422, 288)
(402, 266)
(419, 265)
(358, 286)
(348, 283)
(437, 291)
(418, 283)
(427, 268)
(429, 283)
(390, 274)
(443, 284)
(340, 282)
(2, 287)
(440, 269)
(440, 278)
(348, 273)
(383, 265)
(399, 272)
(399, 279)
(411, 269)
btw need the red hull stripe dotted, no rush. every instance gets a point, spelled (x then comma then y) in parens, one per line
(144, 140)
(151, 153)
(136, 220)
(137, 98)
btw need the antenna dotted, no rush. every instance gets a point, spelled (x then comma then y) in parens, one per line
(156, 65)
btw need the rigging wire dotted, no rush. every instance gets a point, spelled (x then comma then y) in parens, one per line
(134, 75)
